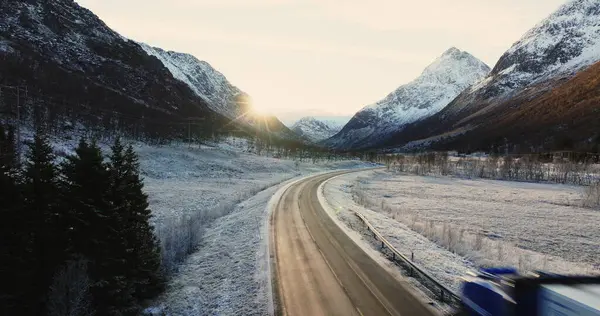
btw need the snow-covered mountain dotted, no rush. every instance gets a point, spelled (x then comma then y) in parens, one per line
(437, 86)
(566, 41)
(204, 80)
(315, 129)
(62, 51)
(559, 46)
(553, 51)
(218, 93)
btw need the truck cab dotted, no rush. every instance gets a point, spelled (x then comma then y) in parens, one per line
(504, 292)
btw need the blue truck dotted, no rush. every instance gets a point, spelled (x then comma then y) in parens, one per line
(503, 292)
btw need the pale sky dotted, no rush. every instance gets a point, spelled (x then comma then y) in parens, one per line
(323, 57)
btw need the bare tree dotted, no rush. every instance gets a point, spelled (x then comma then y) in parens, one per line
(592, 196)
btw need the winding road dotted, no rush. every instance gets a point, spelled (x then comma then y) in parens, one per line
(320, 270)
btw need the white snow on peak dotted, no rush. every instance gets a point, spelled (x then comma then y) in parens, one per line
(436, 87)
(315, 129)
(563, 43)
(203, 79)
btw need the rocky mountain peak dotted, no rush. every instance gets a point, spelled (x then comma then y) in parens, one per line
(440, 82)
(315, 130)
(564, 42)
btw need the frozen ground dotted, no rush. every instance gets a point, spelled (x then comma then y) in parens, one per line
(530, 226)
(442, 264)
(228, 274)
(182, 180)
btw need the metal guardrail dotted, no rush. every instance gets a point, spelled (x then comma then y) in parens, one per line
(445, 294)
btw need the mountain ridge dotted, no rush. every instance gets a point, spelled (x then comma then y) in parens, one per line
(315, 130)
(437, 85)
(203, 79)
(552, 52)
(71, 61)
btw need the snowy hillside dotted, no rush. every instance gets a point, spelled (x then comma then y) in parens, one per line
(437, 86)
(564, 42)
(203, 79)
(59, 50)
(63, 51)
(552, 52)
(218, 93)
(315, 129)
(558, 46)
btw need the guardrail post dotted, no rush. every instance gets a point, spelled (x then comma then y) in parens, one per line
(412, 269)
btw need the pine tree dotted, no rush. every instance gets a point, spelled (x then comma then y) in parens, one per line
(143, 251)
(97, 230)
(41, 215)
(8, 149)
(13, 235)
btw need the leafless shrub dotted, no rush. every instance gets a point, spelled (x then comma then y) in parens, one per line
(69, 294)
(591, 196)
(451, 237)
(413, 221)
(506, 170)
(180, 236)
(478, 241)
(491, 166)
(524, 262)
(500, 252)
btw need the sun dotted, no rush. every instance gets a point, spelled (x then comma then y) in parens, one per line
(259, 110)
(250, 106)
(247, 105)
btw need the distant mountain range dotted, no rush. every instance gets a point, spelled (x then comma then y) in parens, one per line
(437, 86)
(315, 129)
(519, 102)
(541, 94)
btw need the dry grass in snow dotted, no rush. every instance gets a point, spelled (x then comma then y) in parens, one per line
(527, 225)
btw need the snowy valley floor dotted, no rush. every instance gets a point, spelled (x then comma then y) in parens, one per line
(526, 225)
(229, 273)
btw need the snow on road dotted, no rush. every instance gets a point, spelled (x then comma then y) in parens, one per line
(532, 226)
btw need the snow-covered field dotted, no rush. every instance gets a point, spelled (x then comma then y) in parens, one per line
(526, 225)
(229, 273)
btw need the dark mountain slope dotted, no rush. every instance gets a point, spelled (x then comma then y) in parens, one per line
(560, 118)
(552, 52)
(61, 50)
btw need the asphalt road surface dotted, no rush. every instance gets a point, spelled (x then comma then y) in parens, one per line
(319, 270)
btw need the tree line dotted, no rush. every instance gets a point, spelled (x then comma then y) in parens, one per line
(561, 167)
(75, 232)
